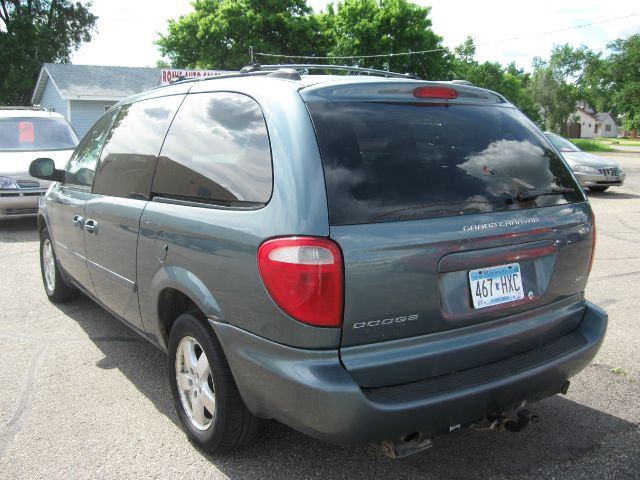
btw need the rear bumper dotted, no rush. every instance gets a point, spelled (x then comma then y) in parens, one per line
(313, 393)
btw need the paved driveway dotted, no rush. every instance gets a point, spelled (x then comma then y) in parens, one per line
(84, 397)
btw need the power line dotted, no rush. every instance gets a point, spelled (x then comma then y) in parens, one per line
(420, 52)
(560, 30)
(349, 57)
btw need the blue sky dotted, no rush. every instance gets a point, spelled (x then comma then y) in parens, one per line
(127, 29)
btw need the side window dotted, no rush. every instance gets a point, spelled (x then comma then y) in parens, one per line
(217, 151)
(81, 167)
(129, 155)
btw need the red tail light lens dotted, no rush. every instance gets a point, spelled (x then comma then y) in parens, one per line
(304, 277)
(593, 246)
(435, 92)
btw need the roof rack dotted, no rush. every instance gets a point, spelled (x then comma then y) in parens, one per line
(256, 67)
(289, 70)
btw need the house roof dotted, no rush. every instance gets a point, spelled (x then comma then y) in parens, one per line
(603, 115)
(583, 110)
(95, 82)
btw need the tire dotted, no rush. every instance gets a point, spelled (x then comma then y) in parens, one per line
(598, 189)
(56, 287)
(205, 394)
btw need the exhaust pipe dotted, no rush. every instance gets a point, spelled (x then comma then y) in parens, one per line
(523, 417)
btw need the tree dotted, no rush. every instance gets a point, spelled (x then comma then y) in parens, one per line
(510, 82)
(558, 84)
(33, 32)
(622, 79)
(219, 33)
(373, 27)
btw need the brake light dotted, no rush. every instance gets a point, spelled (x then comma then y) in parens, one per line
(593, 245)
(304, 277)
(435, 92)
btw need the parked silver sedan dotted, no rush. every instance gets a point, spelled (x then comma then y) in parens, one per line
(592, 171)
(27, 133)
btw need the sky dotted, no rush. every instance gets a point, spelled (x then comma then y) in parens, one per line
(126, 29)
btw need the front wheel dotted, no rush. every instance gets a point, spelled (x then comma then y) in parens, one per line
(57, 289)
(204, 392)
(598, 189)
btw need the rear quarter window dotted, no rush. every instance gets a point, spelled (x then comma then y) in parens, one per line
(401, 161)
(217, 151)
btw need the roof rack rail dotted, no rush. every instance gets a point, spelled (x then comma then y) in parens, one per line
(256, 67)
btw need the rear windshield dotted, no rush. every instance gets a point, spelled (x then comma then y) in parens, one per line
(36, 133)
(404, 161)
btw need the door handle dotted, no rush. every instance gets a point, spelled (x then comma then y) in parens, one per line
(78, 221)
(90, 225)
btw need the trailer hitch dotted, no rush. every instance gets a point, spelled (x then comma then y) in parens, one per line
(514, 421)
(407, 445)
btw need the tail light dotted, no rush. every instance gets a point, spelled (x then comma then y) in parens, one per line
(304, 277)
(593, 246)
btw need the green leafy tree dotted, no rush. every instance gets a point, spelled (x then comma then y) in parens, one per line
(219, 33)
(557, 84)
(622, 79)
(33, 32)
(510, 82)
(373, 27)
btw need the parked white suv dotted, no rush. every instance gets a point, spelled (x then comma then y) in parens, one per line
(27, 133)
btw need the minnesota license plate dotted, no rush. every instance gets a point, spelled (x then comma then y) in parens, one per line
(495, 285)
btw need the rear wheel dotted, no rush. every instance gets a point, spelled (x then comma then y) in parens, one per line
(598, 189)
(58, 290)
(204, 391)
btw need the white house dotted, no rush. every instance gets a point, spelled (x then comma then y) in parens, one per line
(592, 124)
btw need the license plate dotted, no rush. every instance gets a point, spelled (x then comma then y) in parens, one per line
(496, 285)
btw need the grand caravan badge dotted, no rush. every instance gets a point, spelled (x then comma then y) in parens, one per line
(502, 223)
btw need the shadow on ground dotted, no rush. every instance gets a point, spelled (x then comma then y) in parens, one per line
(566, 431)
(19, 230)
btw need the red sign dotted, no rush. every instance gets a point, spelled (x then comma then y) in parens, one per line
(26, 132)
(169, 76)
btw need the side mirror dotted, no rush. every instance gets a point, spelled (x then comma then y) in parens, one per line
(45, 169)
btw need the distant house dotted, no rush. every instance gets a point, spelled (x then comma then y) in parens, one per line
(82, 93)
(586, 123)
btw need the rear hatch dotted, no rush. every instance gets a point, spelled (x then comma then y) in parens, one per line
(465, 237)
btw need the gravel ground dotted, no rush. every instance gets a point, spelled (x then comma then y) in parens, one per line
(84, 397)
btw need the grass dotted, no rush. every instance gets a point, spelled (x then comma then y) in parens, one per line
(618, 371)
(632, 142)
(592, 145)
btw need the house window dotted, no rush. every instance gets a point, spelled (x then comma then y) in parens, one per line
(607, 128)
(589, 125)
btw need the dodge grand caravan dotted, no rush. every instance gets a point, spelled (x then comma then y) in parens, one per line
(363, 258)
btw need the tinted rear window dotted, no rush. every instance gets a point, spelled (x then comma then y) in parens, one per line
(389, 161)
(36, 133)
(217, 151)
